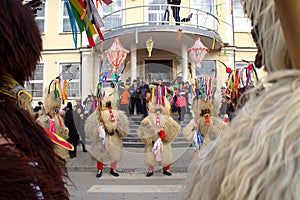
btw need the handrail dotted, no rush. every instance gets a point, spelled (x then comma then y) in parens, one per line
(162, 7)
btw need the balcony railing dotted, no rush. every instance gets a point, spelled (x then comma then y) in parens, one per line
(155, 14)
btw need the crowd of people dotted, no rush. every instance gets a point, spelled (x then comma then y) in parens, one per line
(134, 97)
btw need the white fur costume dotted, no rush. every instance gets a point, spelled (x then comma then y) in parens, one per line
(115, 130)
(50, 104)
(148, 133)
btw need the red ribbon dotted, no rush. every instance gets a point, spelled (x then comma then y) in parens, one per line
(162, 134)
(112, 117)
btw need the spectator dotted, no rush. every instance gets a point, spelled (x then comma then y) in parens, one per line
(145, 90)
(89, 105)
(181, 102)
(73, 134)
(79, 119)
(135, 101)
(175, 10)
(79, 105)
(124, 99)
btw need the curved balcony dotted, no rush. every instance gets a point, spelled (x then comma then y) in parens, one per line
(139, 22)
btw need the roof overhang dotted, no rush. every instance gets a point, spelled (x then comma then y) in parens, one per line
(164, 37)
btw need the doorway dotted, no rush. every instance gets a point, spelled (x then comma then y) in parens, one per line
(159, 69)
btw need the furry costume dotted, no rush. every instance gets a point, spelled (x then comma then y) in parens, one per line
(115, 131)
(49, 113)
(209, 125)
(148, 132)
(29, 166)
(259, 156)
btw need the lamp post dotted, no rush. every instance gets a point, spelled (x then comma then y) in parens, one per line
(149, 45)
(198, 52)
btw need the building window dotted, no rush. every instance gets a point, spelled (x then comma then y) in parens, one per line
(156, 10)
(115, 19)
(203, 14)
(40, 18)
(241, 23)
(204, 5)
(65, 20)
(72, 73)
(35, 85)
(238, 10)
(208, 68)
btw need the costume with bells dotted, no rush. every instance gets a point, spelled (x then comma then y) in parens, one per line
(157, 131)
(205, 125)
(105, 128)
(50, 118)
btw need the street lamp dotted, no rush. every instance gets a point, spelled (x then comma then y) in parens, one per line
(149, 45)
(198, 52)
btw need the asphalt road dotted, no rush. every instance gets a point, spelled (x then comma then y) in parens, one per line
(128, 186)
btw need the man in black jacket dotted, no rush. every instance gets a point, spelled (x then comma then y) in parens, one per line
(175, 10)
(73, 134)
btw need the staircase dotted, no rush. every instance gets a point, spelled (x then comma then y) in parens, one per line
(134, 142)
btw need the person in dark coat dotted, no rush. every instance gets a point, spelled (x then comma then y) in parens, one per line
(135, 101)
(175, 10)
(79, 119)
(145, 89)
(73, 134)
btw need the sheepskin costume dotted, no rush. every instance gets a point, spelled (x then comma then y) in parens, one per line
(115, 130)
(49, 113)
(259, 155)
(205, 121)
(148, 132)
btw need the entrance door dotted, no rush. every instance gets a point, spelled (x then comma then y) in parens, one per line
(159, 69)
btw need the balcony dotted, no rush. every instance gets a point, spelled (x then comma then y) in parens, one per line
(136, 24)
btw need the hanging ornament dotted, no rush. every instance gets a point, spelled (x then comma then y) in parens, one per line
(149, 45)
(198, 52)
(179, 35)
(116, 55)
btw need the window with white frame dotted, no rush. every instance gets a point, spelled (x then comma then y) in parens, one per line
(208, 68)
(203, 14)
(156, 10)
(35, 85)
(114, 19)
(238, 10)
(40, 18)
(205, 5)
(65, 20)
(72, 73)
(241, 22)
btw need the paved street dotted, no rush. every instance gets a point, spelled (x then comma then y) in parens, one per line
(126, 187)
(132, 183)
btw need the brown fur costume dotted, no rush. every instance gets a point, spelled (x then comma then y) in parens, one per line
(148, 133)
(115, 131)
(209, 131)
(51, 103)
(259, 155)
(29, 166)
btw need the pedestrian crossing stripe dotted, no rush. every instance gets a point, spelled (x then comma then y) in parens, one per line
(135, 189)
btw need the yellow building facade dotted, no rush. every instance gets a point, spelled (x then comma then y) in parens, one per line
(220, 25)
